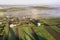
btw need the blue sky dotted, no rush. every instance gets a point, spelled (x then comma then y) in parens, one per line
(27, 2)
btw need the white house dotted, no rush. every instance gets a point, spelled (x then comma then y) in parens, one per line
(12, 25)
(39, 24)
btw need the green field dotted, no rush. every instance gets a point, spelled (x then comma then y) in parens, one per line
(32, 31)
(27, 33)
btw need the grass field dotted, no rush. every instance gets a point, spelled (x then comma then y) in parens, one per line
(27, 29)
(47, 31)
(28, 34)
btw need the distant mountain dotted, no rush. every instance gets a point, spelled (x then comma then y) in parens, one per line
(19, 10)
(4, 8)
(10, 6)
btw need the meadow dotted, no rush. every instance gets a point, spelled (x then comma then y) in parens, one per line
(27, 29)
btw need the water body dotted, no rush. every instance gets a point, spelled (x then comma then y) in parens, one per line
(55, 12)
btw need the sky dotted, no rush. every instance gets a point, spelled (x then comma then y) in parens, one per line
(27, 2)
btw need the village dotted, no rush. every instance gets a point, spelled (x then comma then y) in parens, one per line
(8, 22)
(24, 25)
